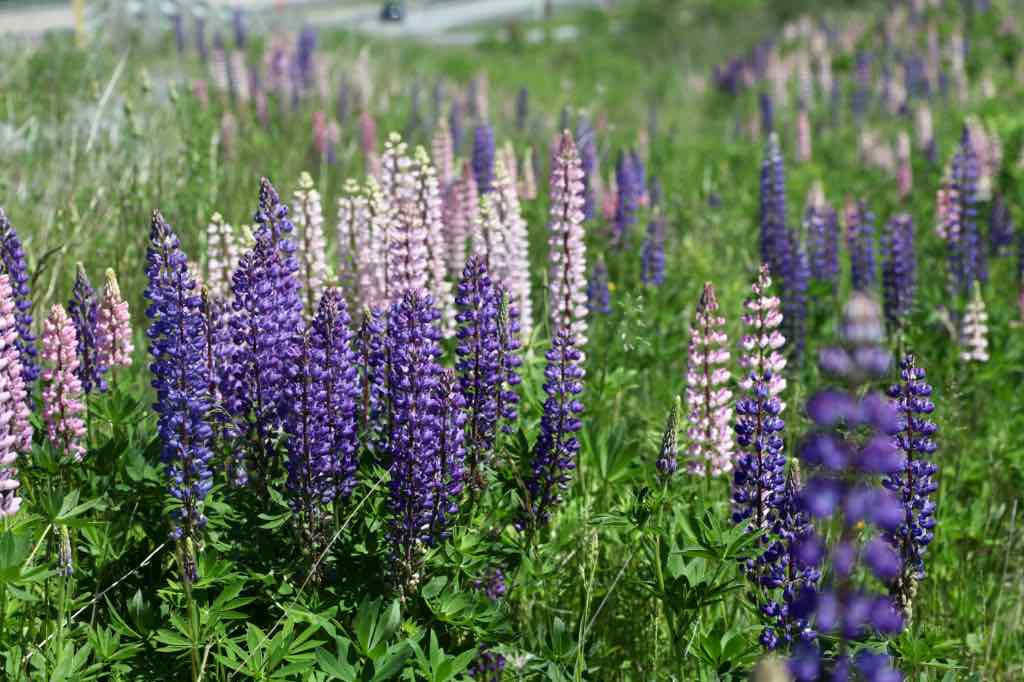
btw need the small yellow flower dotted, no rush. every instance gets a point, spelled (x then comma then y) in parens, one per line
(860, 525)
(611, 286)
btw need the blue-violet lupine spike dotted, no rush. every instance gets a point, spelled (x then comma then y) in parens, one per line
(13, 262)
(599, 297)
(899, 268)
(451, 454)
(822, 225)
(483, 157)
(914, 484)
(774, 234)
(1000, 227)
(554, 452)
(967, 260)
(652, 266)
(83, 308)
(181, 382)
(217, 351)
(628, 186)
(860, 236)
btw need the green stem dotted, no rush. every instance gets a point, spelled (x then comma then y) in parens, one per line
(193, 620)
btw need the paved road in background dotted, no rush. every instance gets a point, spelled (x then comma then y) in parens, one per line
(425, 20)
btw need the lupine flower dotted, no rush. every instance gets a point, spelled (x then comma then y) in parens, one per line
(62, 387)
(628, 185)
(429, 212)
(443, 153)
(761, 342)
(842, 487)
(180, 377)
(321, 424)
(796, 275)
(483, 157)
(513, 270)
(860, 240)
(343, 102)
(305, 46)
(222, 254)
(449, 483)
(966, 255)
(639, 175)
(773, 207)
(923, 127)
(309, 219)
(493, 585)
(368, 143)
(201, 49)
(455, 124)
(15, 427)
(12, 261)
(822, 225)
(528, 180)
(178, 26)
(488, 666)
(904, 172)
(586, 141)
(974, 329)
(767, 107)
(522, 107)
(406, 258)
(803, 133)
(667, 461)
(1000, 227)
(415, 439)
(899, 268)
(469, 207)
(652, 267)
(218, 349)
(599, 297)
(371, 233)
(487, 364)
(707, 392)
(567, 251)
(914, 485)
(114, 346)
(554, 453)
(351, 209)
(84, 310)
(862, 76)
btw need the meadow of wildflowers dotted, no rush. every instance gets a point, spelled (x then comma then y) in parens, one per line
(625, 358)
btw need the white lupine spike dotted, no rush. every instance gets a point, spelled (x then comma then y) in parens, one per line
(309, 221)
(222, 254)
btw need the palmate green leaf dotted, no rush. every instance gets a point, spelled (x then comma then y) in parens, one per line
(337, 665)
(390, 664)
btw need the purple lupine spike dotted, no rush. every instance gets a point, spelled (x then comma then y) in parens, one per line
(371, 354)
(201, 48)
(182, 385)
(652, 255)
(639, 176)
(15, 424)
(668, 456)
(455, 115)
(966, 254)
(899, 268)
(238, 26)
(488, 666)
(850, 445)
(84, 311)
(773, 207)
(1000, 227)
(487, 363)
(566, 247)
(522, 108)
(343, 101)
(14, 264)
(599, 296)
(707, 390)
(586, 141)
(822, 224)
(178, 26)
(305, 47)
(914, 483)
(628, 185)
(554, 453)
(796, 276)
(483, 157)
(418, 429)
(451, 454)
(862, 79)
(860, 240)
(218, 348)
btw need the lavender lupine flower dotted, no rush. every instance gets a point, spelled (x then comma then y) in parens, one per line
(443, 153)
(483, 157)
(652, 267)
(13, 263)
(707, 392)
(429, 212)
(627, 201)
(803, 133)
(1000, 227)
(455, 115)
(668, 462)
(843, 487)
(492, 585)
(904, 171)
(639, 176)
(222, 254)
(899, 268)
(114, 346)
(305, 46)
(321, 425)
(465, 214)
(371, 244)
(599, 296)
(487, 364)
(554, 453)
(84, 309)
(238, 26)
(914, 483)
(774, 235)
(860, 240)
(488, 666)
(974, 329)
(415, 434)
(15, 427)
(966, 253)
(586, 140)
(309, 218)
(178, 26)
(218, 349)
(567, 251)
(822, 223)
(513, 270)
(182, 385)
(406, 260)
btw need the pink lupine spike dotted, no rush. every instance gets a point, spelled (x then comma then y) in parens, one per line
(113, 327)
(15, 427)
(62, 391)
(707, 394)
(803, 135)
(368, 141)
(904, 173)
(761, 358)
(566, 249)
(443, 153)
(513, 267)
(406, 256)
